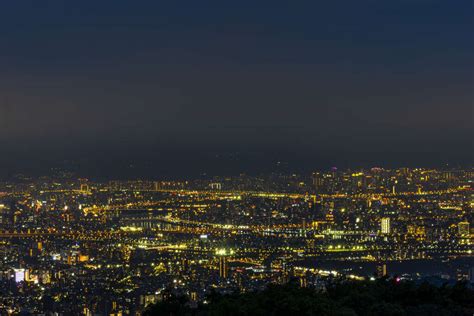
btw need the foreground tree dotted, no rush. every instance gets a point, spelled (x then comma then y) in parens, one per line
(382, 297)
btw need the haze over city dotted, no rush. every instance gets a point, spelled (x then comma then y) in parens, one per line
(171, 84)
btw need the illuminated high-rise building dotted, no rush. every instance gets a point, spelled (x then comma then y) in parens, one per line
(6, 216)
(463, 228)
(84, 186)
(19, 275)
(381, 270)
(448, 176)
(223, 270)
(318, 181)
(330, 213)
(385, 225)
(223, 255)
(215, 186)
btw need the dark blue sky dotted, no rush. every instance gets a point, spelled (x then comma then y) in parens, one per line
(171, 84)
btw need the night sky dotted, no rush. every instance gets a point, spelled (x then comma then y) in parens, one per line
(148, 88)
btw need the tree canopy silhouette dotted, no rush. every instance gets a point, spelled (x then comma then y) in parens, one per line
(382, 297)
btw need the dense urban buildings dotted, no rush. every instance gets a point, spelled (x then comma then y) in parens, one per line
(77, 246)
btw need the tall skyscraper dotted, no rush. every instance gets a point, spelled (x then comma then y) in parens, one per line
(385, 225)
(223, 255)
(223, 270)
(6, 216)
(84, 188)
(318, 181)
(381, 270)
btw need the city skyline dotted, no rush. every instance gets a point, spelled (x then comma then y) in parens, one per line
(236, 158)
(77, 246)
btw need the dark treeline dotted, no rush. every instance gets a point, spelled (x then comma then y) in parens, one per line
(382, 297)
